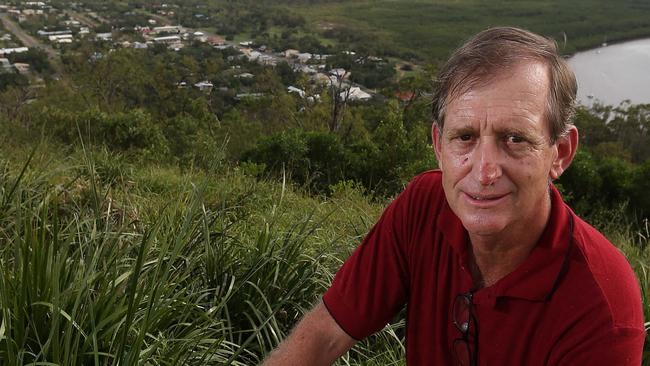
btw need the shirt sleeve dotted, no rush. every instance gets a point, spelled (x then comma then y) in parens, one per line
(617, 346)
(372, 285)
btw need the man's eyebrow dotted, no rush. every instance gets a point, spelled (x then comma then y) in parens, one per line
(513, 131)
(461, 130)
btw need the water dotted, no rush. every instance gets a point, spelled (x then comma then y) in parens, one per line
(614, 73)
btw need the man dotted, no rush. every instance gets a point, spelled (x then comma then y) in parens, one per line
(494, 268)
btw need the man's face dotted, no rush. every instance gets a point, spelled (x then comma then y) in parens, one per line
(495, 152)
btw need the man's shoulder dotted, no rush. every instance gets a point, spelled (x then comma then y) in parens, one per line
(429, 181)
(612, 276)
(425, 189)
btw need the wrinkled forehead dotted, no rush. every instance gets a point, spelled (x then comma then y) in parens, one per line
(531, 76)
(486, 74)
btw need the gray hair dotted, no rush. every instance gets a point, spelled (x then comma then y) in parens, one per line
(494, 50)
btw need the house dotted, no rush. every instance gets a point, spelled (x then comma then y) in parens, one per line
(64, 41)
(44, 33)
(172, 29)
(72, 23)
(291, 53)
(104, 36)
(245, 75)
(57, 38)
(139, 45)
(303, 57)
(204, 86)
(293, 89)
(30, 12)
(406, 96)
(199, 36)
(355, 93)
(320, 57)
(6, 51)
(246, 43)
(83, 31)
(216, 40)
(167, 40)
(22, 68)
(267, 60)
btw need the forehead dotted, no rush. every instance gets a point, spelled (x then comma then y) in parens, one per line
(519, 92)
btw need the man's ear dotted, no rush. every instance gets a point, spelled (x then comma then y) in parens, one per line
(567, 146)
(435, 137)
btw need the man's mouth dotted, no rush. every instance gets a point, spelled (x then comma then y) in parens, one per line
(485, 198)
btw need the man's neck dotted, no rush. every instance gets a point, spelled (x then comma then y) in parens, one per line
(494, 257)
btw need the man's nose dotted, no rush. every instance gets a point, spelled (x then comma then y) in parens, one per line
(489, 166)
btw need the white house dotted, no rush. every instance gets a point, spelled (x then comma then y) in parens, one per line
(104, 36)
(291, 53)
(355, 93)
(245, 75)
(22, 68)
(293, 89)
(204, 86)
(57, 38)
(6, 51)
(200, 36)
(167, 39)
(168, 29)
(303, 57)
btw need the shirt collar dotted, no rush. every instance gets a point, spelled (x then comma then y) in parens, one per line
(536, 277)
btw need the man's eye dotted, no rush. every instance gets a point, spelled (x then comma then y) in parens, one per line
(515, 139)
(465, 137)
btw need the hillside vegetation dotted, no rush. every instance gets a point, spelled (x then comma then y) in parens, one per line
(107, 261)
(429, 29)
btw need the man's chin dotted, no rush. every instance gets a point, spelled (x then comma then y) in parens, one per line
(483, 226)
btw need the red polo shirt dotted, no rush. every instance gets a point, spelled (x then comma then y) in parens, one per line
(574, 301)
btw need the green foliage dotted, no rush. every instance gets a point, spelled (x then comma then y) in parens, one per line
(383, 162)
(310, 158)
(12, 79)
(206, 269)
(428, 30)
(127, 131)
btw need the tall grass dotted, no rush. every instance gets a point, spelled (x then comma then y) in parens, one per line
(96, 268)
(108, 263)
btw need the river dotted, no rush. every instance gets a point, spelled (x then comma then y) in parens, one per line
(614, 73)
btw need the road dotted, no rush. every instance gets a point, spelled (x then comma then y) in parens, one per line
(29, 41)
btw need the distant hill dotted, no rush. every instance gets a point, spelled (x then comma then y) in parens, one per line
(427, 29)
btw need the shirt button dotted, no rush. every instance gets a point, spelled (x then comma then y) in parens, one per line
(464, 327)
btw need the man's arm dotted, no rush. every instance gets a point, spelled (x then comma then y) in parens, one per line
(316, 340)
